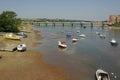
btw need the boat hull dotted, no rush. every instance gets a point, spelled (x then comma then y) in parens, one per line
(102, 75)
(60, 44)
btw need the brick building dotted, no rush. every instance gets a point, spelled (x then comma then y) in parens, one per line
(114, 18)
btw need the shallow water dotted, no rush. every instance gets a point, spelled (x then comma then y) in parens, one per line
(83, 58)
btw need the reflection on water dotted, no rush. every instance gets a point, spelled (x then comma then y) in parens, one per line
(84, 57)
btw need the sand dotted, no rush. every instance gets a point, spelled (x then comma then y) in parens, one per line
(28, 65)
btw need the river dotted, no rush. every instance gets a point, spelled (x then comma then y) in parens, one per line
(83, 58)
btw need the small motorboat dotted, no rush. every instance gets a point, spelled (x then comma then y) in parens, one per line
(21, 47)
(102, 75)
(68, 34)
(22, 35)
(11, 36)
(98, 33)
(74, 39)
(113, 42)
(78, 31)
(82, 35)
(62, 44)
(102, 36)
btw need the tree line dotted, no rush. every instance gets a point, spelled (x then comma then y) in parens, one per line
(9, 22)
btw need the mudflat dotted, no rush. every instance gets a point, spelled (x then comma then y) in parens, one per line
(28, 65)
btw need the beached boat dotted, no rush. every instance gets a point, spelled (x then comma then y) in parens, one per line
(62, 44)
(22, 35)
(74, 39)
(113, 42)
(82, 35)
(11, 36)
(21, 47)
(102, 75)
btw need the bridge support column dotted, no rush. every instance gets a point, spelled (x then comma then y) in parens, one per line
(63, 24)
(46, 24)
(72, 24)
(53, 24)
(81, 25)
(39, 24)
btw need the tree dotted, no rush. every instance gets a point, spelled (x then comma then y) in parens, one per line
(9, 22)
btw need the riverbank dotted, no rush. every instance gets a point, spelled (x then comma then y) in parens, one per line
(28, 65)
(113, 27)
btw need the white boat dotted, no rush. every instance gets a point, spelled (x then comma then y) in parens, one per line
(102, 36)
(98, 33)
(74, 40)
(102, 75)
(113, 42)
(62, 44)
(82, 35)
(78, 31)
(21, 47)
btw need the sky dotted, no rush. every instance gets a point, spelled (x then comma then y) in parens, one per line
(96, 10)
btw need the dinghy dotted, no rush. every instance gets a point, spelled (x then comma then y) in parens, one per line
(21, 47)
(102, 75)
(62, 44)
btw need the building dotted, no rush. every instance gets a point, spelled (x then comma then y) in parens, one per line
(114, 18)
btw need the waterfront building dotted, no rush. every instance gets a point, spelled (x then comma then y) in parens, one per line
(114, 18)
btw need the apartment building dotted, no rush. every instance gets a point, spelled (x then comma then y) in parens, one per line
(114, 18)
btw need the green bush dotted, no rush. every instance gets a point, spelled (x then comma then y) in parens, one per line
(9, 22)
(117, 24)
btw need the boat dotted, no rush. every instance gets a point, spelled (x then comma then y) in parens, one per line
(22, 35)
(82, 35)
(74, 39)
(11, 36)
(113, 42)
(98, 33)
(78, 31)
(68, 34)
(102, 75)
(21, 47)
(102, 36)
(62, 44)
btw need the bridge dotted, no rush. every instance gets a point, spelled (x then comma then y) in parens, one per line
(91, 23)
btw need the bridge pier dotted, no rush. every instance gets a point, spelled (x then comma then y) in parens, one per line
(63, 24)
(81, 25)
(39, 24)
(53, 24)
(91, 25)
(72, 24)
(46, 24)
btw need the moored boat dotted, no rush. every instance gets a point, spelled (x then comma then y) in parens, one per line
(113, 42)
(82, 35)
(74, 40)
(102, 75)
(68, 34)
(102, 36)
(62, 44)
